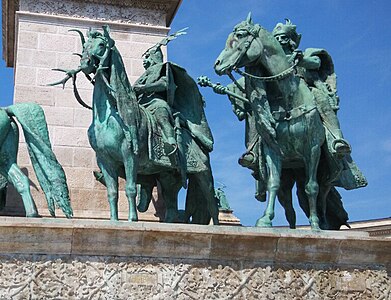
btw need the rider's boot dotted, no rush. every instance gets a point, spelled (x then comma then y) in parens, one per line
(163, 119)
(339, 146)
(248, 160)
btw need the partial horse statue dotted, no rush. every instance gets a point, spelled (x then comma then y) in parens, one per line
(130, 142)
(49, 172)
(284, 130)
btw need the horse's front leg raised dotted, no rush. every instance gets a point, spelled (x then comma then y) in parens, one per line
(273, 163)
(110, 175)
(130, 165)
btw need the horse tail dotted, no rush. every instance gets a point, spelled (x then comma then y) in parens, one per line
(196, 207)
(3, 191)
(50, 174)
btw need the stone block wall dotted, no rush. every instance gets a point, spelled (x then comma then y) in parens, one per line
(43, 42)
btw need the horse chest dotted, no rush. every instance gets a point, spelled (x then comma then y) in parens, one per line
(106, 136)
(291, 135)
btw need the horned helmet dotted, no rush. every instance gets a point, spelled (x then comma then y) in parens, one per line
(286, 34)
(154, 55)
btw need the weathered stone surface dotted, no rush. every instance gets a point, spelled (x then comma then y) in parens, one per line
(56, 117)
(26, 75)
(99, 260)
(28, 40)
(71, 136)
(64, 155)
(40, 95)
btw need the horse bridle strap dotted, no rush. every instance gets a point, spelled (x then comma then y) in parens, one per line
(277, 77)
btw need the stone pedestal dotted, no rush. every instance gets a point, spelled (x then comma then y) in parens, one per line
(75, 259)
(36, 39)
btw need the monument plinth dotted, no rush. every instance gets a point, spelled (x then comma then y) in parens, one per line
(84, 259)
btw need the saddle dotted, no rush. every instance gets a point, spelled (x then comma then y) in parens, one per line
(189, 157)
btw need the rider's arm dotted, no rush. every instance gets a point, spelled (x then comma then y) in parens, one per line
(159, 85)
(310, 62)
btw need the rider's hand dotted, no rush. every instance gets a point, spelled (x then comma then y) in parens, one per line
(219, 89)
(139, 88)
(298, 55)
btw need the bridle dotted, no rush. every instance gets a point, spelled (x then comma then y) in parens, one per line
(252, 34)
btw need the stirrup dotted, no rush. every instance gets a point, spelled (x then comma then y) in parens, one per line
(248, 159)
(343, 149)
(166, 145)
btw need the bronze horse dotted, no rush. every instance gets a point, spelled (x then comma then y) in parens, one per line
(285, 116)
(120, 133)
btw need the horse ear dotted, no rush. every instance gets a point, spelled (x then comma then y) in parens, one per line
(249, 19)
(106, 30)
(106, 34)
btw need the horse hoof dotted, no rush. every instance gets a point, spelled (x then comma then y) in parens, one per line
(33, 215)
(315, 226)
(261, 222)
(133, 219)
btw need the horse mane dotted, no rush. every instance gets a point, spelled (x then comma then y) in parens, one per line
(125, 97)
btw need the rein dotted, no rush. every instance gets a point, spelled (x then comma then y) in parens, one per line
(276, 77)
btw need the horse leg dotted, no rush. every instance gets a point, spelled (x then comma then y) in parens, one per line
(205, 182)
(285, 197)
(170, 184)
(145, 193)
(110, 176)
(131, 185)
(324, 190)
(22, 185)
(312, 186)
(273, 163)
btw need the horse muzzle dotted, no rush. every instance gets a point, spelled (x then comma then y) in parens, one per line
(221, 69)
(87, 65)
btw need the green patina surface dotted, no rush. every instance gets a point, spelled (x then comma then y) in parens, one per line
(49, 172)
(154, 132)
(288, 100)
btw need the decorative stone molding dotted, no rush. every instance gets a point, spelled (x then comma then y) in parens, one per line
(96, 10)
(74, 259)
(94, 277)
(150, 12)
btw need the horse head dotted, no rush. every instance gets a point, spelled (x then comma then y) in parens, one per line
(240, 49)
(250, 45)
(96, 50)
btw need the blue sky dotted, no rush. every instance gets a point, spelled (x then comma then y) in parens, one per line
(355, 33)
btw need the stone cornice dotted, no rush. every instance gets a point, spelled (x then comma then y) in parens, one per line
(89, 237)
(163, 10)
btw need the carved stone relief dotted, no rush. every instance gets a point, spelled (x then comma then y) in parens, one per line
(137, 14)
(92, 277)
